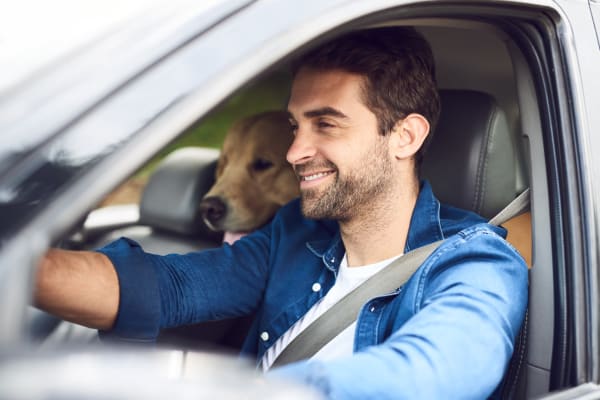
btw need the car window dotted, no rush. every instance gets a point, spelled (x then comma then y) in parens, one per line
(270, 92)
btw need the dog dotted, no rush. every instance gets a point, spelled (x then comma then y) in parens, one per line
(253, 178)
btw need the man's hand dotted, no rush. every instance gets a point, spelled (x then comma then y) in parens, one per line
(78, 286)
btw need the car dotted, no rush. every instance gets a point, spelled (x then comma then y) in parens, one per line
(79, 121)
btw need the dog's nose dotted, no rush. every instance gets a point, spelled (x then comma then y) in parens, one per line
(212, 210)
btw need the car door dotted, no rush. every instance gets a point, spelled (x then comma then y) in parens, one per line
(541, 65)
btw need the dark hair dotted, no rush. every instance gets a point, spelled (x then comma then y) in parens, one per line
(399, 72)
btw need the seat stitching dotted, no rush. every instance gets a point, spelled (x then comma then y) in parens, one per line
(522, 351)
(481, 184)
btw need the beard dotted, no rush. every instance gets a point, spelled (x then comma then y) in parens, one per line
(351, 193)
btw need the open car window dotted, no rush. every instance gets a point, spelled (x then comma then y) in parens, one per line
(520, 55)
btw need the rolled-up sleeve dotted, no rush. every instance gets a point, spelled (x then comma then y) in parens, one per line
(164, 291)
(138, 317)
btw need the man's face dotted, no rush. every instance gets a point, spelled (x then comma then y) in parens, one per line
(342, 162)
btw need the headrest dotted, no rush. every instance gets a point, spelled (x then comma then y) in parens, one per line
(171, 197)
(471, 162)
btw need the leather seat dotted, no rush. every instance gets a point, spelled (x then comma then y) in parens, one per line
(472, 164)
(169, 221)
(481, 171)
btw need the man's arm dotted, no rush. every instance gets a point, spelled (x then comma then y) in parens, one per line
(468, 303)
(78, 286)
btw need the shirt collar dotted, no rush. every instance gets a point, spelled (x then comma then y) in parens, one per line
(425, 226)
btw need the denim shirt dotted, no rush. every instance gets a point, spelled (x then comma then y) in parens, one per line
(448, 332)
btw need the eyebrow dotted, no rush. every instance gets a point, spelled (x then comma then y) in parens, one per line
(319, 112)
(325, 111)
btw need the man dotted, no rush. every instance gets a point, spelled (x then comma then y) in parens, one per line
(362, 108)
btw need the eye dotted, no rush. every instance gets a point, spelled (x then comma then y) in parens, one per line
(294, 126)
(323, 124)
(261, 164)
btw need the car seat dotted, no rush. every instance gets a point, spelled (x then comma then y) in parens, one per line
(169, 221)
(472, 163)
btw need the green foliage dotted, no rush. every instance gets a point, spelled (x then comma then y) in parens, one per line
(268, 93)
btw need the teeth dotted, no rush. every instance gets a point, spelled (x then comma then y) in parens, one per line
(316, 176)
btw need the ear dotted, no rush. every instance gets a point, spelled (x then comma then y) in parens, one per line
(408, 136)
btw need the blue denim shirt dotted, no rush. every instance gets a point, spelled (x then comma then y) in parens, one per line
(447, 333)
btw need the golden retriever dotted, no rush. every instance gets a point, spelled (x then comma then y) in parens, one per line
(253, 178)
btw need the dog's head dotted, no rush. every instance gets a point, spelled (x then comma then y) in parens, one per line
(253, 178)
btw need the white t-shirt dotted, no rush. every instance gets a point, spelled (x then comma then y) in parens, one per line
(342, 344)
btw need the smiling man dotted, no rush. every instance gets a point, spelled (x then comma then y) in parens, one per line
(347, 170)
(363, 107)
(330, 121)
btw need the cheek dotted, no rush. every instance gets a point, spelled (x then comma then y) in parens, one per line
(347, 155)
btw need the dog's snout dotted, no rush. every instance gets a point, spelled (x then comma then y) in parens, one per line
(212, 210)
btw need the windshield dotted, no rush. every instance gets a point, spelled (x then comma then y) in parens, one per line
(63, 59)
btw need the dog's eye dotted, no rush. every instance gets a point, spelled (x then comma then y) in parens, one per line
(261, 164)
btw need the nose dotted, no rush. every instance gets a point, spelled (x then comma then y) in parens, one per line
(302, 148)
(212, 210)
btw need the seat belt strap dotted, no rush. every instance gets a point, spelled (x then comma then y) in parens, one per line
(342, 314)
(515, 208)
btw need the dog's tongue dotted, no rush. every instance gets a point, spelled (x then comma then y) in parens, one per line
(230, 237)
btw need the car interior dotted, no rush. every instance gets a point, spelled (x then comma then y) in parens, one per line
(487, 149)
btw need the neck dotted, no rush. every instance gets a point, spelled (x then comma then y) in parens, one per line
(381, 231)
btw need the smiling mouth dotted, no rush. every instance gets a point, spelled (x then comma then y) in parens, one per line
(312, 177)
(313, 173)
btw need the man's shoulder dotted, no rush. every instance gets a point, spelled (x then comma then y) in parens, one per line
(433, 220)
(475, 257)
(466, 229)
(455, 220)
(479, 250)
(468, 236)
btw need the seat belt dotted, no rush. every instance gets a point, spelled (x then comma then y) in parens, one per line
(342, 314)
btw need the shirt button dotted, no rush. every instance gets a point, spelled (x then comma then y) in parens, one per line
(316, 287)
(372, 309)
(264, 336)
